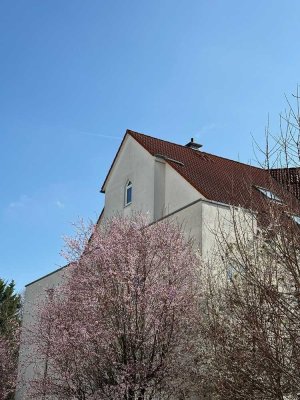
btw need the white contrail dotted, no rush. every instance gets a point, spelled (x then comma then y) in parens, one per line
(96, 134)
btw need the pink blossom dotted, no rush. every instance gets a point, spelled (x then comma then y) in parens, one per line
(120, 325)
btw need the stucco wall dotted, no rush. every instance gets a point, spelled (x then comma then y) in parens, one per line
(178, 192)
(35, 293)
(190, 220)
(157, 188)
(221, 224)
(210, 224)
(134, 163)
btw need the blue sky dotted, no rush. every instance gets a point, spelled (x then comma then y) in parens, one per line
(75, 74)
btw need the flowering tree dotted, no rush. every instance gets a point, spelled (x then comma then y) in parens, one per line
(251, 319)
(123, 323)
(252, 323)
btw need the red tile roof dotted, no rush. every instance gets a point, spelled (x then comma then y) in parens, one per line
(217, 178)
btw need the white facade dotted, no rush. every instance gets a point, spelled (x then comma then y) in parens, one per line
(136, 165)
(34, 294)
(158, 191)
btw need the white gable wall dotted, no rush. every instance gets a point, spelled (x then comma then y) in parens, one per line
(133, 163)
(157, 189)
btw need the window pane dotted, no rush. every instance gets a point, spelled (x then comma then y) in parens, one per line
(296, 218)
(269, 194)
(128, 195)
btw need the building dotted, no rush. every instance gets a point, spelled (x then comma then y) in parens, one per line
(167, 180)
(289, 178)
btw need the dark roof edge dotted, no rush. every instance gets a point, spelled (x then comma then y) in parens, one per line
(45, 276)
(112, 164)
(217, 203)
(100, 216)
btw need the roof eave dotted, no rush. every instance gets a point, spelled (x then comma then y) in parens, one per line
(102, 190)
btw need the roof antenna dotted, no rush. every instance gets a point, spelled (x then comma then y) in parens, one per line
(193, 145)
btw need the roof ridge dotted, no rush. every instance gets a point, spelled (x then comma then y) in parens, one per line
(153, 137)
(202, 152)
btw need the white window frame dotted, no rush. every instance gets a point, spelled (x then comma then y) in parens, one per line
(296, 218)
(270, 195)
(233, 269)
(128, 187)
